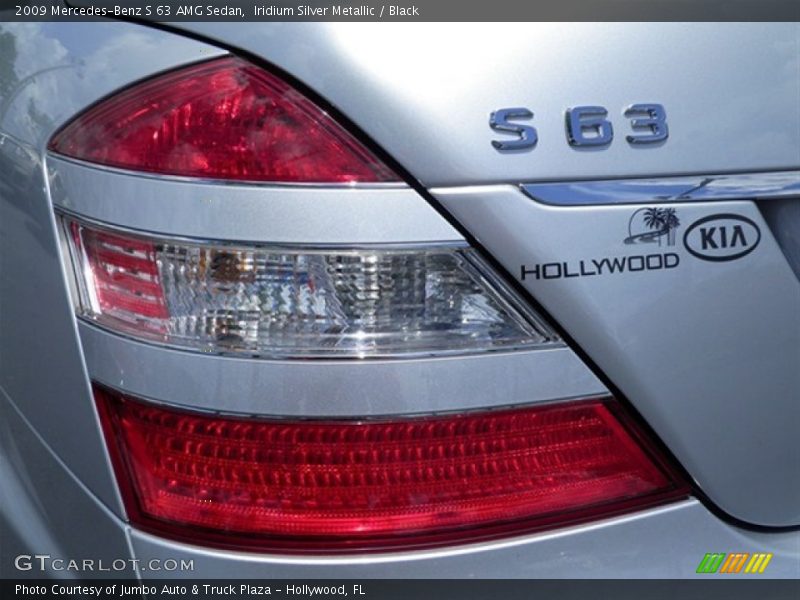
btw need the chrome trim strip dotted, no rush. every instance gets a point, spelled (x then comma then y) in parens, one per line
(687, 188)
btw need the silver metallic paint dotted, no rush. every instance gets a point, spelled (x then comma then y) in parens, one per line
(276, 214)
(707, 352)
(402, 94)
(54, 71)
(335, 388)
(46, 509)
(424, 91)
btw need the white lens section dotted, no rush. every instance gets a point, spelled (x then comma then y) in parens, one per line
(297, 303)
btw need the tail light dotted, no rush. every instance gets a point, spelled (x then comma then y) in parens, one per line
(229, 119)
(318, 485)
(283, 302)
(223, 119)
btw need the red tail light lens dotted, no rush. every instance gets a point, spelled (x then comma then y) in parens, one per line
(126, 279)
(223, 119)
(309, 485)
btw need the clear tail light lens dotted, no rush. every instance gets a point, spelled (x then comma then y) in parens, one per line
(295, 303)
(349, 484)
(222, 119)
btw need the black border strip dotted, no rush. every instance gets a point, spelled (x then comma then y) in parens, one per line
(496, 11)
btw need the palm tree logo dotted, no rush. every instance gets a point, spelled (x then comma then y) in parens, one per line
(650, 225)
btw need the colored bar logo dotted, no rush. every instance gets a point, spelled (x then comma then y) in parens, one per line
(734, 562)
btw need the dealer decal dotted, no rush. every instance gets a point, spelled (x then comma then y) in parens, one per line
(602, 266)
(722, 237)
(715, 238)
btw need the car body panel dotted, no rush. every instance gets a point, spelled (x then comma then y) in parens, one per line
(424, 91)
(431, 114)
(706, 351)
(735, 111)
(55, 71)
(306, 216)
(40, 314)
(336, 388)
(47, 509)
